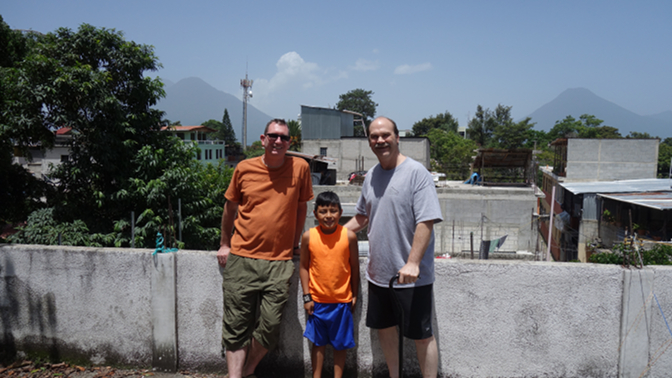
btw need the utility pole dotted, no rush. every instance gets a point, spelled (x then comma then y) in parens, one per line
(247, 93)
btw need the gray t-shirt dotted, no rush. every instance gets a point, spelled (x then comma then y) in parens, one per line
(395, 201)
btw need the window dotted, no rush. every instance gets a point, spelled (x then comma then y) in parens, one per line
(64, 158)
(323, 151)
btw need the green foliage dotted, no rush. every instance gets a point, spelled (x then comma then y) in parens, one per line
(624, 254)
(587, 126)
(664, 158)
(444, 122)
(358, 100)
(638, 135)
(496, 129)
(295, 134)
(41, 228)
(481, 127)
(256, 149)
(450, 153)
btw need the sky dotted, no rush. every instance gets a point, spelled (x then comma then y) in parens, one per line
(420, 58)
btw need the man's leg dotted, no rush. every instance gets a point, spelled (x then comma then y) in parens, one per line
(235, 359)
(254, 356)
(428, 356)
(389, 342)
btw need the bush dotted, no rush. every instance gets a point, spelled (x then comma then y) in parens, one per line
(624, 254)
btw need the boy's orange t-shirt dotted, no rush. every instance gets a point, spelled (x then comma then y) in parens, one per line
(330, 270)
(267, 207)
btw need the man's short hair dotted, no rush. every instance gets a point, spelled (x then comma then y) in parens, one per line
(327, 199)
(279, 121)
(396, 130)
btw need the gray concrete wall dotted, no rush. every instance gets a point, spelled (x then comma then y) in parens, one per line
(611, 159)
(351, 151)
(492, 318)
(500, 211)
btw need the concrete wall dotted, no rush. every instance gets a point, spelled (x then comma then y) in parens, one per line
(465, 208)
(350, 152)
(611, 159)
(492, 318)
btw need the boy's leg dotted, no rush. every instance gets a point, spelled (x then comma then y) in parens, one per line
(428, 356)
(339, 362)
(317, 356)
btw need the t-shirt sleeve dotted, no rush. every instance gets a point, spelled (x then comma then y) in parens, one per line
(306, 184)
(233, 191)
(425, 200)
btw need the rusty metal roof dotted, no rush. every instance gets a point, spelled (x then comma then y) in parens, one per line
(502, 158)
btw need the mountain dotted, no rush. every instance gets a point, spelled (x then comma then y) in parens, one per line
(192, 101)
(578, 101)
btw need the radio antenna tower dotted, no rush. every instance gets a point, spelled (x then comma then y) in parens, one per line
(247, 93)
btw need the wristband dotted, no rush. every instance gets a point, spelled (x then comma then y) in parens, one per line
(307, 298)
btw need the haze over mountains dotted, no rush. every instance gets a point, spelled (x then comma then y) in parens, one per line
(192, 101)
(578, 101)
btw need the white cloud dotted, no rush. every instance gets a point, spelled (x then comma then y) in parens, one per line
(365, 65)
(406, 69)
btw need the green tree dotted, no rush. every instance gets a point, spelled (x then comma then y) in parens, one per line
(92, 81)
(444, 122)
(295, 134)
(226, 132)
(481, 127)
(450, 153)
(360, 101)
(638, 135)
(664, 158)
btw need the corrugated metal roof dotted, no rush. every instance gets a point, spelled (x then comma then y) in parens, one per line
(620, 186)
(654, 200)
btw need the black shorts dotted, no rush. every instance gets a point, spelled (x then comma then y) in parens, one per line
(416, 302)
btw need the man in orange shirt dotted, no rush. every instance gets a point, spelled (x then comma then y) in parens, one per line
(268, 194)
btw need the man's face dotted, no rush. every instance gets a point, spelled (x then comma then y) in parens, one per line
(328, 217)
(272, 140)
(382, 140)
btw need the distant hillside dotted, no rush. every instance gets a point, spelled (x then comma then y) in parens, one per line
(578, 101)
(192, 101)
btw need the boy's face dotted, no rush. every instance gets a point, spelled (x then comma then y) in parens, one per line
(328, 217)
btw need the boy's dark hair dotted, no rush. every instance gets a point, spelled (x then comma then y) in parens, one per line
(327, 199)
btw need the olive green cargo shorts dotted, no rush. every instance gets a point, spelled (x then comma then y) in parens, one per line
(255, 293)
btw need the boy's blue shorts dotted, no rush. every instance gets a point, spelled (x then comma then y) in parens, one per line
(331, 323)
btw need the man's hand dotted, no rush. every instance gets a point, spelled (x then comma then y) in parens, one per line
(223, 255)
(310, 306)
(353, 303)
(409, 273)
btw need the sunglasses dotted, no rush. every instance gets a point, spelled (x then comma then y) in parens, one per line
(284, 138)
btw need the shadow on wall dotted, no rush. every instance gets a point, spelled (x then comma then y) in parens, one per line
(39, 312)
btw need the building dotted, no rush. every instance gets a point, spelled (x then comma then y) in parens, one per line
(330, 132)
(211, 151)
(588, 161)
(41, 161)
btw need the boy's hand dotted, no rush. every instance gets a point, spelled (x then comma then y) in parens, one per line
(310, 306)
(353, 304)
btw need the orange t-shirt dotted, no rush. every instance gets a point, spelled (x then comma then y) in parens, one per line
(330, 270)
(267, 199)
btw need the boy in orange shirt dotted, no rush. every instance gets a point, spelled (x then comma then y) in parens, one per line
(329, 272)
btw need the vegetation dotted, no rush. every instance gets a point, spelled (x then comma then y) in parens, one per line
(445, 122)
(93, 82)
(358, 100)
(625, 254)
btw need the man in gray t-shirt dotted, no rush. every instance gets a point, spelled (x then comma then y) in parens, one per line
(400, 206)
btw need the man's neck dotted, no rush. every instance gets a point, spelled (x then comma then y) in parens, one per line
(392, 161)
(273, 161)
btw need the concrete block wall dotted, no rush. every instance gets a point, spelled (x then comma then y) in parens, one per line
(611, 159)
(350, 151)
(492, 318)
(506, 211)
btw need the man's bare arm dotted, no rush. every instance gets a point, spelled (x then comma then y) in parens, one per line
(228, 215)
(410, 272)
(357, 223)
